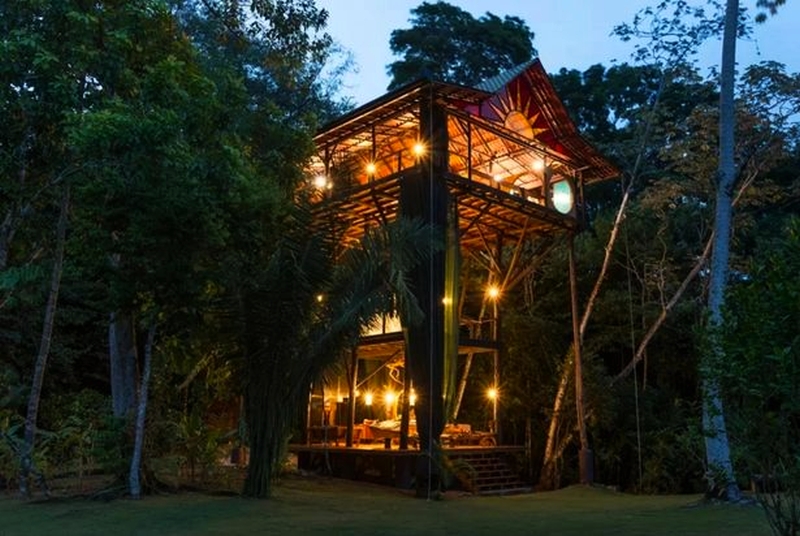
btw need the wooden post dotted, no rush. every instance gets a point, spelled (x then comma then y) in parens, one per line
(405, 419)
(352, 380)
(424, 195)
(309, 424)
(495, 428)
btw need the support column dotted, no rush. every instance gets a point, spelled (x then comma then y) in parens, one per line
(352, 381)
(495, 427)
(405, 419)
(423, 194)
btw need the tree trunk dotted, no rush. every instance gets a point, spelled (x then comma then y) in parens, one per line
(122, 356)
(586, 459)
(6, 236)
(548, 476)
(721, 479)
(667, 308)
(26, 462)
(268, 430)
(548, 464)
(141, 413)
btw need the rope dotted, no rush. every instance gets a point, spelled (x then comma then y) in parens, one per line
(633, 350)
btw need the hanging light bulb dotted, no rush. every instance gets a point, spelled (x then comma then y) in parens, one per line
(321, 182)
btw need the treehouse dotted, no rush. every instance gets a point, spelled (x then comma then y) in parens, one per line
(499, 169)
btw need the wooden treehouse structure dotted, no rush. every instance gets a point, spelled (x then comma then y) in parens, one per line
(500, 170)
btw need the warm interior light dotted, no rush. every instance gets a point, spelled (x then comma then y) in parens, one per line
(419, 148)
(371, 168)
(498, 178)
(412, 398)
(389, 397)
(339, 398)
(491, 393)
(320, 297)
(493, 291)
(538, 165)
(368, 399)
(321, 181)
(446, 300)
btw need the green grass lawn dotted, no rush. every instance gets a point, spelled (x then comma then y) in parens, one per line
(334, 507)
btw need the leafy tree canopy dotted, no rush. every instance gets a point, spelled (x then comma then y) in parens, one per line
(449, 44)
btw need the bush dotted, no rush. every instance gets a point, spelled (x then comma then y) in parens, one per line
(760, 377)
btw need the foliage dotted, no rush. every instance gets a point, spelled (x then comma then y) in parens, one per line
(672, 30)
(289, 336)
(197, 443)
(761, 371)
(182, 126)
(771, 6)
(448, 44)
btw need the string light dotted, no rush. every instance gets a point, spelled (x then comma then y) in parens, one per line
(493, 291)
(321, 181)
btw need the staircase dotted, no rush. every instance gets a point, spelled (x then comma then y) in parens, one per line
(488, 471)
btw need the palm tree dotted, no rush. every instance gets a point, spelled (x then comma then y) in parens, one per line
(302, 311)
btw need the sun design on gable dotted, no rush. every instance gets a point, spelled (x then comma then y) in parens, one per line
(518, 112)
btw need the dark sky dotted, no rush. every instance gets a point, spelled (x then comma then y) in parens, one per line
(569, 33)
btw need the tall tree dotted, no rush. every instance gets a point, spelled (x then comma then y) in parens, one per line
(163, 171)
(34, 399)
(716, 436)
(449, 44)
(668, 55)
(45, 79)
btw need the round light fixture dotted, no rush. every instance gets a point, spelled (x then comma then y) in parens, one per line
(563, 197)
